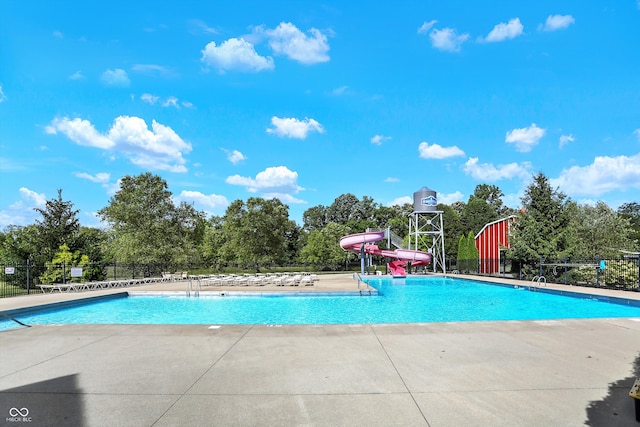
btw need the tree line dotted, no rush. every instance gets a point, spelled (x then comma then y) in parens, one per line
(143, 224)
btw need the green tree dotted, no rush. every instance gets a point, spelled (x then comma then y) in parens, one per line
(462, 258)
(58, 226)
(147, 227)
(472, 252)
(476, 214)
(323, 247)
(543, 227)
(255, 232)
(58, 270)
(341, 211)
(314, 218)
(631, 211)
(599, 231)
(493, 196)
(452, 228)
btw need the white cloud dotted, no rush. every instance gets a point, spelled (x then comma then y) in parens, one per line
(426, 26)
(401, 201)
(149, 99)
(198, 26)
(3, 97)
(117, 77)
(447, 39)
(235, 156)
(158, 148)
(38, 199)
(154, 70)
(565, 139)
(448, 199)
(435, 151)
(286, 39)
(77, 76)
(340, 90)
(635, 132)
(489, 172)
(208, 201)
(525, 138)
(102, 177)
(502, 31)
(603, 175)
(171, 101)
(294, 128)
(379, 139)
(273, 182)
(58, 34)
(557, 22)
(392, 179)
(235, 55)
(21, 212)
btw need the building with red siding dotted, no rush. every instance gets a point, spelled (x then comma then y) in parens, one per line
(490, 241)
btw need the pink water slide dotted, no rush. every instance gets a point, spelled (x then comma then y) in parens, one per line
(355, 242)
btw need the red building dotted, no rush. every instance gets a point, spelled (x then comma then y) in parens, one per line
(493, 238)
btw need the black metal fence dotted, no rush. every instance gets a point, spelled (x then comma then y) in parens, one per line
(24, 278)
(620, 273)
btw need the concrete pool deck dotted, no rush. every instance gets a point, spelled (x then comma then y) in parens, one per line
(525, 373)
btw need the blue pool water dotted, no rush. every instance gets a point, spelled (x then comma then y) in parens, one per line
(400, 301)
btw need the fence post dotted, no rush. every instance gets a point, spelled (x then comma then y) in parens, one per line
(566, 276)
(638, 287)
(597, 270)
(540, 275)
(28, 285)
(64, 272)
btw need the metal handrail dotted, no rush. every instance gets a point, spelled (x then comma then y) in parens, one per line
(356, 276)
(191, 288)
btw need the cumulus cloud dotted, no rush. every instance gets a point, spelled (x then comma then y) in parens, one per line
(214, 202)
(274, 182)
(490, 173)
(450, 198)
(21, 212)
(158, 148)
(149, 99)
(426, 26)
(294, 128)
(447, 39)
(101, 178)
(235, 55)
(401, 201)
(286, 39)
(525, 138)
(565, 139)
(117, 77)
(557, 22)
(605, 174)
(77, 76)
(435, 151)
(379, 139)
(504, 31)
(235, 156)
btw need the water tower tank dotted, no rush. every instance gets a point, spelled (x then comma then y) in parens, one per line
(425, 200)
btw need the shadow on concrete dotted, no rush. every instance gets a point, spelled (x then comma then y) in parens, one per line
(55, 402)
(617, 408)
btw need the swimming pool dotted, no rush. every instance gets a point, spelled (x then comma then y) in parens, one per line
(411, 300)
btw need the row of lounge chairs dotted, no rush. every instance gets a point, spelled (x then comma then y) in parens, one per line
(104, 284)
(302, 279)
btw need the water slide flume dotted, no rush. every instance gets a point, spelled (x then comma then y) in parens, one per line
(356, 242)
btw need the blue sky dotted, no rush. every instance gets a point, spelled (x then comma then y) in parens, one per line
(305, 101)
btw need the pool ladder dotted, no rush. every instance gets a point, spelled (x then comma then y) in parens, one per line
(193, 285)
(539, 280)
